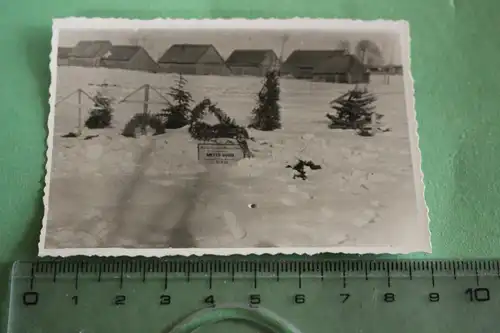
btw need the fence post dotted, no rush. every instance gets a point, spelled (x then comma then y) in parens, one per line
(79, 112)
(146, 108)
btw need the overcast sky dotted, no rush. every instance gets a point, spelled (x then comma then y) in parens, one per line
(157, 42)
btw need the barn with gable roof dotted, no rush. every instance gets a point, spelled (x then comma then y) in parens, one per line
(194, 59)
(342, 68)
(62, 56)
(129, 57)
(88, 53)
(300, 64)
(251, 62)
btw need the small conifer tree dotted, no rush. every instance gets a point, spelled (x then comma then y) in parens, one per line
(354, 110)
(101, 114)
(177, 114)
(266, 116)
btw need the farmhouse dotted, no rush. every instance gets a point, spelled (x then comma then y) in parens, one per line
(342, 68)
(88, 53)
(62, 56)
(197, 59)
(251, 62)
(386, 69)
(394, 69)
(301, 63)
(128, 57)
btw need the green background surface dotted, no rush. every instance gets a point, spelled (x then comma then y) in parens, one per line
(454, 63)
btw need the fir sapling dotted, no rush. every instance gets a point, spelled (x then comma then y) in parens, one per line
(266, 116)
(355, 110)
(177, 113)
(101, 114)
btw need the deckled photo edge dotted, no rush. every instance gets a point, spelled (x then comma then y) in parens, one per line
(416, 154)
(50, 132)
(76, 23)
(199, 252)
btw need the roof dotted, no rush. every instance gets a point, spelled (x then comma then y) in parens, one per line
(90, 48)
(185, 53)
(249, 57)
(63, 52)
(338, 64)
(311, 57)
(122, 52)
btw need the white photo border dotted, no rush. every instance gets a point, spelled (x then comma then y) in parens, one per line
(400, 27)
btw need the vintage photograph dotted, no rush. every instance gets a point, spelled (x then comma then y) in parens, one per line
(181, 137)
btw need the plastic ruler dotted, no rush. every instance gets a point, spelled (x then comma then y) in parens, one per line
(266, 295)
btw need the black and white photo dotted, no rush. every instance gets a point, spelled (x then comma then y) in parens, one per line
(234, 136)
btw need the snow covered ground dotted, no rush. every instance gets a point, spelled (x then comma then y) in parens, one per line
(152, 192)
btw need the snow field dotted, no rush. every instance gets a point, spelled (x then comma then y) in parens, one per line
(151, 192)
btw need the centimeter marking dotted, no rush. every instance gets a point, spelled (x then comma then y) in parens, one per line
(387, 269)
(188, 266)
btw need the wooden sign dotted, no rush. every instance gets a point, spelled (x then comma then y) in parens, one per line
(219, 153)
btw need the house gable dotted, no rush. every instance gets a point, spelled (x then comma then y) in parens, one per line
(121, 53)
(63, 52)
(185, 54)
(90, 49)
(310, 58)
(142, 60)
(251, 58)
(211, 56)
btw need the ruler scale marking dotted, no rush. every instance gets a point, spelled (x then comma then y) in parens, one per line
(121, 275)
(432, 276)
(344, 279)
(476, 273)
(165, 280)
(76, 275)
(477, 289)
(210, 276)
(143, 266)
(254, 276)
(388, 275)
(32, 278)
(300, 276)
(54, 272)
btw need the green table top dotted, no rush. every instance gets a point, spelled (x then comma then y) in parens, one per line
(454, 65)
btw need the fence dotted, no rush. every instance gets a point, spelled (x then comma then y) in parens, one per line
(145, 101)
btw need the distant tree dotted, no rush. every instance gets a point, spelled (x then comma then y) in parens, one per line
(101, 115)
(279, 61)
(369, 53)
(266, 116)
(355, 110)
(344, 45)
(176, 114)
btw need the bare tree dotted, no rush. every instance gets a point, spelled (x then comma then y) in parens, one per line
(344, 45)
(136, 40)
(140, 38)
(369, 53)
(390, 64)
(282, 49)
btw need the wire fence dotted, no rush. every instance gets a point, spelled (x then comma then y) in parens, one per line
(145, 101)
